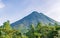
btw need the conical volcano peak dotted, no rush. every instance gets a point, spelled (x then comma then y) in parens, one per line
(35, 12)
(33, 18)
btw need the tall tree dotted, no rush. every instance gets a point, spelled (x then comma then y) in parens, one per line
(7, 26)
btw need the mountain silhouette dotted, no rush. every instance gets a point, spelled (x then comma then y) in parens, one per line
(33, 18)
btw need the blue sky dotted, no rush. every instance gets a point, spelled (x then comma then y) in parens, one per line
(14, 10)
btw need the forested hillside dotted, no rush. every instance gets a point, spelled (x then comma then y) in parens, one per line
(40, 31)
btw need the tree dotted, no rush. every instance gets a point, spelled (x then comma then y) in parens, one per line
(7, 26)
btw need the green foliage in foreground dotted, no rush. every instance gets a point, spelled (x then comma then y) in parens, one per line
(40, 31)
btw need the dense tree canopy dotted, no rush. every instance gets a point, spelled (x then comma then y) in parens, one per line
(40, 31)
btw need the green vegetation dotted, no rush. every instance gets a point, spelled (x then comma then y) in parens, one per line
(40, 31)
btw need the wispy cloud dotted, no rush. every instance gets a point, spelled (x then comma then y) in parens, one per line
(2, 5)
(54, 11)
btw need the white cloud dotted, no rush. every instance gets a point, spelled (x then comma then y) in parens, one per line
(2, 5)
(54, 11)
(2, 20)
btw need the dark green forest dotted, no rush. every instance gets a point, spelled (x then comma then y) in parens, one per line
(40, 31)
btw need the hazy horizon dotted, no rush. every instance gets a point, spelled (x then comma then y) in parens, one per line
(14, 10)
